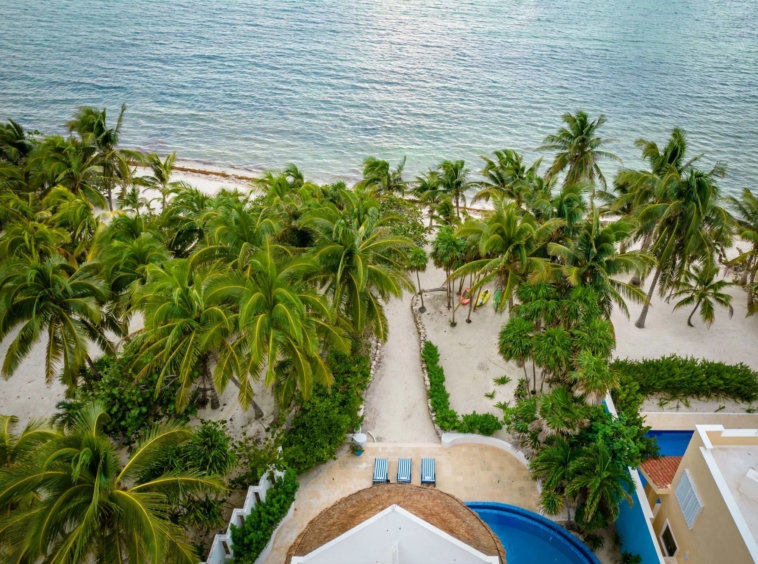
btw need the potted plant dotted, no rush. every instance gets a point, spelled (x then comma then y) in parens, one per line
(356, 449)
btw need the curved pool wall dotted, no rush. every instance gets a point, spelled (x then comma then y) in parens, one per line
(529, 538)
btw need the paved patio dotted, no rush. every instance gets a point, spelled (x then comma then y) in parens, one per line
(470, 472)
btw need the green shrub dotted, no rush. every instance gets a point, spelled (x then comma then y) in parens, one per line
(447, 418)
(251, 538)
(683, 378)
(321, 424)
(131, 402)
(255, 457)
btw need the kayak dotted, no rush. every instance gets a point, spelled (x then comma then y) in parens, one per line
(483, 298)
(465, 296)
(496, 301)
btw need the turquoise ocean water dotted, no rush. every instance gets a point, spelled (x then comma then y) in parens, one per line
(326, 83)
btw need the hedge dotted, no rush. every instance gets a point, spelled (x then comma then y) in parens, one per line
(322, 422)
(682, 378)
(251, 538)
(447, 418)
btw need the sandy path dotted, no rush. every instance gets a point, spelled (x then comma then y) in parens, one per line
(396, 409)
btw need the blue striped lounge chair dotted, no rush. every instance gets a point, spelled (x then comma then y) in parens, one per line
(403, 470)
(428, 474)
(380, 471)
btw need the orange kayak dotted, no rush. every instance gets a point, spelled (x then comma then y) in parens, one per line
(465, 296)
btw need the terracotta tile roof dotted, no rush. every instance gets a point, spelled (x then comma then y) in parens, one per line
(661, 471)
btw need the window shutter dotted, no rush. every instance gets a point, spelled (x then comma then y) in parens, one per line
(688, 499)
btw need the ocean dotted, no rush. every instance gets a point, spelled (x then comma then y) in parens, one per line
(325, 83)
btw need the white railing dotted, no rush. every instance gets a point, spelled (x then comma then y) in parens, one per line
(221, 549)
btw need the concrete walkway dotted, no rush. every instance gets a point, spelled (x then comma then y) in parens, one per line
(470, 472)
(395, 407)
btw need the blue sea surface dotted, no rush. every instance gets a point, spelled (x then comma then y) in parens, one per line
(324, 83)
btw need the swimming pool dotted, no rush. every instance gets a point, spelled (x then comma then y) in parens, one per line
(671, 443)
(529, 538)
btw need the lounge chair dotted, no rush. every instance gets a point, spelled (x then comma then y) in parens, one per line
(403, 470)
(428, 474)
(380, 471)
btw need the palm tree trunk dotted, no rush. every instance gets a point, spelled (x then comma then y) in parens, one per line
(477, 298)
(457, 206)
(640, 324)
(751, 283)
(208, 385)
(746, 270)
(689, 319)
(452, 322)
(471, 300)
(534, 378)
(422, 309)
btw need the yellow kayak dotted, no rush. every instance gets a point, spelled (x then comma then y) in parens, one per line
(483, 298)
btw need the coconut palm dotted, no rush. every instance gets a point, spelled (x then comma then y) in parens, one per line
(75, 215)
(448, 253)
(160, 180)
(284, 325)
(746, 209)
(55, 298)
(428, 191)
(16, 447)
(509, 240)
(592, 259)
(700, 287)
(15, 146)
(594, 377)
(361, 263)
(516, 342)
(92, 126)
(454, 180)
(378, 176)
(687, 224)
(417, 262)
(184, 329)
(579, 149)
(599, 483)
(32, 240)
(505, 175)
(90, 507)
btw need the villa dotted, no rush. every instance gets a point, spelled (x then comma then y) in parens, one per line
(705, 503)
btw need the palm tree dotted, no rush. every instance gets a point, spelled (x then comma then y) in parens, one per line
(284, 325)
(428, 191)
(551, 466)
(558, 414)
(14, 447)
(516, 342)
(448, 253)
(579, 150)
(183, 330)
(161, 176)
(15, 146)
(89, 507)
(600, 483)
(361, 263)
(592, 259)
(64, 301)
(378, 176)
(700, 287)
(75, 215)
(417, 262)
(746, 208)
(506, 176)
(454, 181)
(92, 127)
(687, 224)
(508, 241)
(594, 377)
(552, 350)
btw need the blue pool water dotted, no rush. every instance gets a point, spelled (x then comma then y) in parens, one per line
(529, 538)
(670, 443)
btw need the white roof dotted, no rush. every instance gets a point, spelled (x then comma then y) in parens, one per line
(395, 536)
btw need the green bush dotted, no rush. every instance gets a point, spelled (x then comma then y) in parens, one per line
(251, 538)
(130, 401)
(321, 423)
(683, 378)
(447, 418)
